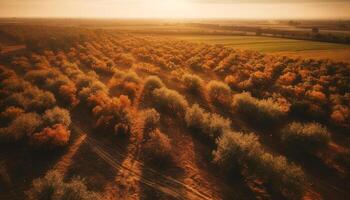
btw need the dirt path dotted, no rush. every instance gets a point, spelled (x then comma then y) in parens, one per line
(164, 184)
(125, 184)
(66, 160)
(194, 185)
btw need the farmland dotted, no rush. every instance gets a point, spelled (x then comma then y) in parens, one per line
(263, 44)
(290, 47)
(110, 114)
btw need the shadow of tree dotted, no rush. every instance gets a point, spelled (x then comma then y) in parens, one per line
(22, 165)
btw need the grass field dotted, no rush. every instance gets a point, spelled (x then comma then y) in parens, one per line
(334, 54)
(263, 44)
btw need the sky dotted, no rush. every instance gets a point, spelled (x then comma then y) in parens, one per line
(237, 9)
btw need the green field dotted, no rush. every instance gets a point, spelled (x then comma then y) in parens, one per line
(262, 44)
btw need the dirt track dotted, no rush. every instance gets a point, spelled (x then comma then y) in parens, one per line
(165, 184)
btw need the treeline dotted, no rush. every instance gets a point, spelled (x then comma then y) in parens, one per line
(39, 37)
(314, 33)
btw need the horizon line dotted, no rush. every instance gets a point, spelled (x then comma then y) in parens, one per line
(169, 18)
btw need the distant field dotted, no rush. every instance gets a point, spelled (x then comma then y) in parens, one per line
(334, 54)
(263, 44)
(11, 48)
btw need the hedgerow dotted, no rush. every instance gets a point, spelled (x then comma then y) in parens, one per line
(32, 99)
(68, 94)
(151, 122)
(21, 127)
(151, 83)
(193, 83)
(283, 176)
(57, 115)
(305, 137)
(14, 84)
(209, 126)
(156, 145)
(169, 101)
(10, 113)
(261, 112)
(219, 93)
(243, 151)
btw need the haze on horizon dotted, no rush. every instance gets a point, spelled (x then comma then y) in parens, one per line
(240, 9)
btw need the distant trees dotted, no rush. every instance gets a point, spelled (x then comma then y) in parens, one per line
(315, 30)
(39, 38)
(258, 32)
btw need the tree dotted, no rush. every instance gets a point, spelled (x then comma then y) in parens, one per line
(51, 137)
(57, 116)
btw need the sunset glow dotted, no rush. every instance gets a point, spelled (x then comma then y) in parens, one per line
(268, 9)
(175, 99)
